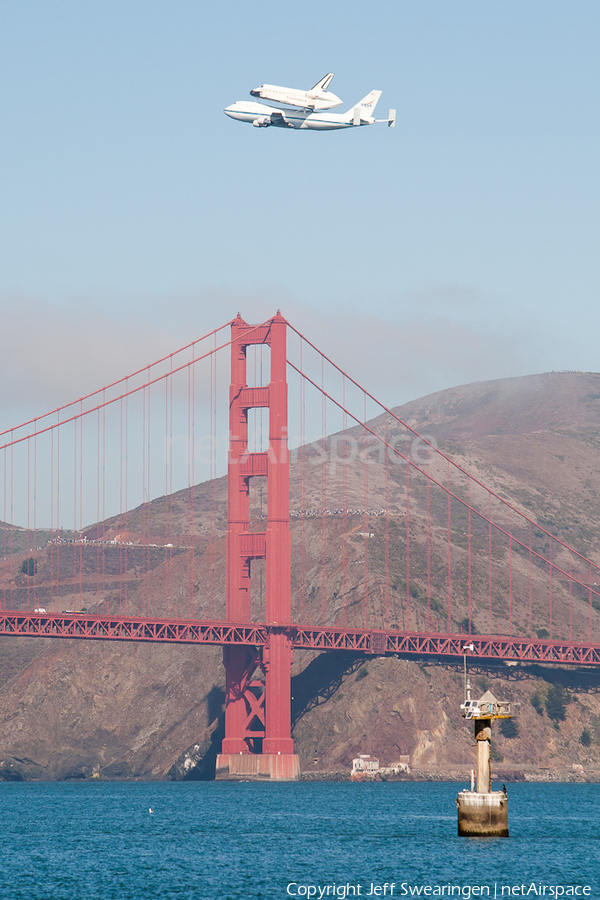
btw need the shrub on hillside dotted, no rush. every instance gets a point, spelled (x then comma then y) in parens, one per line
(495, 754)
(536, 702)
(509, 728)
(29, 566)
(556, 702)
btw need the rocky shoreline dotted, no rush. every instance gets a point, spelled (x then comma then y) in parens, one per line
(561, 775)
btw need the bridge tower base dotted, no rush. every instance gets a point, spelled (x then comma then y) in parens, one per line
(257, 767)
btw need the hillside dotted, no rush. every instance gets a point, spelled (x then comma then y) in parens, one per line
(537, 439)
(69, 709)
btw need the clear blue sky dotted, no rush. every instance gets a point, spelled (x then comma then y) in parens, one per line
(135, 216)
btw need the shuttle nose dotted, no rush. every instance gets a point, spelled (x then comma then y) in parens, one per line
(255, 92)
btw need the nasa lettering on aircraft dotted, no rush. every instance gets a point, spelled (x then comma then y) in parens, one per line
(306, 109)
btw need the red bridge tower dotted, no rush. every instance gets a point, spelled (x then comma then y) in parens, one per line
(258, 742)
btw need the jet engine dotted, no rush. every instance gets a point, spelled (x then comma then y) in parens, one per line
(262, 121)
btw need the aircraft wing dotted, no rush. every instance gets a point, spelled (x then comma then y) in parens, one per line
(278, 118)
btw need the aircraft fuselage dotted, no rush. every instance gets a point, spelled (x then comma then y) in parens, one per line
(262, 116)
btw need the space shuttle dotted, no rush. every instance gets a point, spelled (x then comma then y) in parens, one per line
(317, 98)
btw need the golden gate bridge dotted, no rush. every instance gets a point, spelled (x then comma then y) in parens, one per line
(393, 547)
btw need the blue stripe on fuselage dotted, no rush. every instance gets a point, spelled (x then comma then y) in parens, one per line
(312, 122)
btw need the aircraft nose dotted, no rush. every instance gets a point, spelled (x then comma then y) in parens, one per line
(255, 92)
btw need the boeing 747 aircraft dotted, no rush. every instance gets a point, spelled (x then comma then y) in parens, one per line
(262, 116)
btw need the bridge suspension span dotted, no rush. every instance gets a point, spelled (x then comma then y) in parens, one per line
(365, 537)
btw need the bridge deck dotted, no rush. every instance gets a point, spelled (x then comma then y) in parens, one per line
(372, 642)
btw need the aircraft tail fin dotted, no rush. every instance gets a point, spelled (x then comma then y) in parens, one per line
(324, 83)
(364, 109)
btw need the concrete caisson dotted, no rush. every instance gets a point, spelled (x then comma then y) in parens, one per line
(482, 815)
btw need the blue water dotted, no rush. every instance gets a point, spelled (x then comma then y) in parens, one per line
(221, 840)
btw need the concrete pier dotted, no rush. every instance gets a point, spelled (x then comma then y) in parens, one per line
(482, 815)
(257, 767)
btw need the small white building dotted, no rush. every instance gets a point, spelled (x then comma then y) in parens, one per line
(401, 766)
(365, 763)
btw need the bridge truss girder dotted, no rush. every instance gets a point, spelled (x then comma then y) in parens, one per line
(257, 635)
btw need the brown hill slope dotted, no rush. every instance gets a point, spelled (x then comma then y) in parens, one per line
(71, 709)
(535, 438)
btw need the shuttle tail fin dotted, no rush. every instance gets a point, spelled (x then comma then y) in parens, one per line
(324, 83)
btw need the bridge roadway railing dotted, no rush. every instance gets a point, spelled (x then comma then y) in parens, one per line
(371, 642)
